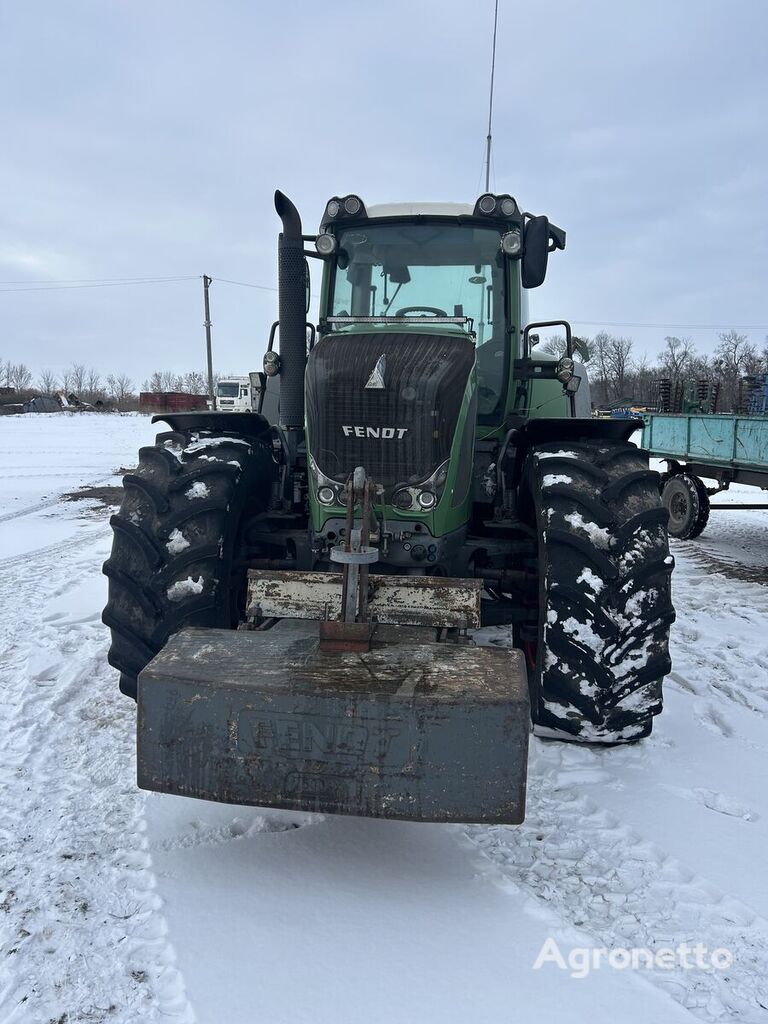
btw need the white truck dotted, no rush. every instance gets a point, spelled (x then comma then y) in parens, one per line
(244, 394)
(235, 394)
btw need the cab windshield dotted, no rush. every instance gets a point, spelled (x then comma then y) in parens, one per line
(425, 270)
(228, 390)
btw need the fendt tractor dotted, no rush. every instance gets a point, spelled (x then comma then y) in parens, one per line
(295, 605)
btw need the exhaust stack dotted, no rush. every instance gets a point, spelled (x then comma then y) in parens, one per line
(291, 272)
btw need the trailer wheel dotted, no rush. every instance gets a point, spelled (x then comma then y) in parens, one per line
(604, 592)
(177, 540)
(685, 498)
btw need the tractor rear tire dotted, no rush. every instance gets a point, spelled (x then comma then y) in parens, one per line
(685, 498)
(604, 592)
(177, 541)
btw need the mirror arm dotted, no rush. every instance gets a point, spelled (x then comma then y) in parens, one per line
(556, 238)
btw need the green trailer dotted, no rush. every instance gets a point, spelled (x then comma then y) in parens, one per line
(719, 447)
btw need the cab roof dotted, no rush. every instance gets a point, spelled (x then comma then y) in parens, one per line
(420, 209)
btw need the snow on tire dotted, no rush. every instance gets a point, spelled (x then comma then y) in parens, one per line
(605, 595)
(175, 541)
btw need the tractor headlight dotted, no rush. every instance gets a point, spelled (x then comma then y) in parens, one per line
(325, 244)
(511, 243)
(340, 207)
(327, 490)
(509, 207)
(565, 368)
(427, 500)
(487, 203)
(402, 498)
(271, 363)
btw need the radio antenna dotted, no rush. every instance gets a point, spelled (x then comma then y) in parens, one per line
(490, 103)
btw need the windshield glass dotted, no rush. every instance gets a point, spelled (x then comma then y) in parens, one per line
(423, 270)
(227, 390)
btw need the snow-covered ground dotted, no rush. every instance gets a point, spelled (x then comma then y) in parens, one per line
(120, 906)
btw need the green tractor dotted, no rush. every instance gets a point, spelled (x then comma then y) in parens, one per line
(292, 597)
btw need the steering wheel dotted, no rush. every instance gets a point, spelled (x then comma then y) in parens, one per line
(423, 309)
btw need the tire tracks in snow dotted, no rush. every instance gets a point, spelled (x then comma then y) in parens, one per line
(83, 934)
(28, 559)
(54, 500)
(600, 877)
(725, 666)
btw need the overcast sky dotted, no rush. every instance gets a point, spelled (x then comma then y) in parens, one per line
(146, 140)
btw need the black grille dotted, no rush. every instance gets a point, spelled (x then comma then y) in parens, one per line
(400, 433)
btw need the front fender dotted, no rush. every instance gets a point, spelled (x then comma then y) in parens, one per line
(249, 424)
(547, 429)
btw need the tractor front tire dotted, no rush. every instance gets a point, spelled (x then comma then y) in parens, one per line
(604, 592)
(177, 541)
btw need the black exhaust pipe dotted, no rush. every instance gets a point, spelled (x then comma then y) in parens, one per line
(291, 274)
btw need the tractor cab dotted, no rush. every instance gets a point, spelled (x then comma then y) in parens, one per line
(419, 347)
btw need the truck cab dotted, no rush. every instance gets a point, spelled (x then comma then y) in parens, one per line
(234, 394)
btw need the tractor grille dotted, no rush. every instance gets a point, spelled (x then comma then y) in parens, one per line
(401, 431)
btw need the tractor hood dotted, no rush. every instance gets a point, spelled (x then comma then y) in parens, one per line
(387, 401)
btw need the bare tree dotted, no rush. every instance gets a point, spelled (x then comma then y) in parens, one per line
(47, 381)
(93, 386)
(77, 377)
(120, 389)
(619, 365)
(676, 357)
(735, 357)
(194, 383)
(171, 381)
(600, 364)
(554, 346)
(20, 376)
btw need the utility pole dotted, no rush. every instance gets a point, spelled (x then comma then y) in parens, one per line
(211, 392)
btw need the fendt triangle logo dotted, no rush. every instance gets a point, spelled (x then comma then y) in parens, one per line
(376, 380)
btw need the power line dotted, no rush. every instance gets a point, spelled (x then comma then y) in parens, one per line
(246, 284)
(107, 282)
(103, 284)
(100, 280)
(687, 327)
(64, 284)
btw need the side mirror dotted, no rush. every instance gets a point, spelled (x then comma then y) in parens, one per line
(535, 252)
(534, 339)
(307, 285)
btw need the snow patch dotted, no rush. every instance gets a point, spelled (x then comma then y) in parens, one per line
(597, 534)
(213, 442)
(185, 588)
(557, 455)
(583, 633)
(550, 479)
(174, 449)
(591, 579)
(197, 490)
(177, 542)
